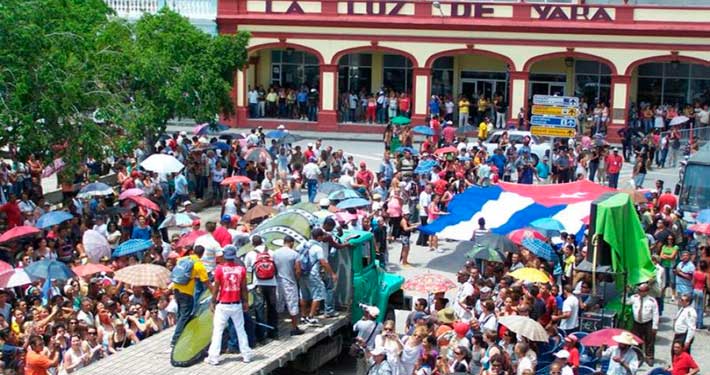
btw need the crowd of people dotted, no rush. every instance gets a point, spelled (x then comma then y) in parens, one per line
(283, 102)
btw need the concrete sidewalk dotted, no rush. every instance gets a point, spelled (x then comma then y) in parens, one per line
(332, 136)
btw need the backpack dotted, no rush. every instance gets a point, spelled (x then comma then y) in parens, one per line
(304, 257)
(264, 266)
(182, 272)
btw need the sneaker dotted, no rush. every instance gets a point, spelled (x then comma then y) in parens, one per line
(332, 315)
(297, 331)
(247, 358)
(439, 250)
(304, 320)
(211, 362)
(313, 321)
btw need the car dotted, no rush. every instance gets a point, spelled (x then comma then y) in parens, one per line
(538, 147)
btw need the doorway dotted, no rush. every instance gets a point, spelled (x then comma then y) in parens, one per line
(474, 88)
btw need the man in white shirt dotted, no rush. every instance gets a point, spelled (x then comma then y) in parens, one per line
(684, 324)
(312, 173)
(645, 313)
(623, 359)
(569, 319)
(267, 288)
(424, 201)
(253, 102)
(465, 289)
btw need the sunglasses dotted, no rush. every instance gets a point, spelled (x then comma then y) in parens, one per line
(92, 332)
(387, 329)
(457, 353)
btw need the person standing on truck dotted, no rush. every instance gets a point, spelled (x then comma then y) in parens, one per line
(260, 263)
(312, 286)
(330, 247)
(229, 301)
(288, 270)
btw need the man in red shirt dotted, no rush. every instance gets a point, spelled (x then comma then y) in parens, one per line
(12, 212)
(436, 126)
(365, 175)
(229, 296)
(221, 234)
(449, 134)
(667, 198)
(614, 162)
(37, 363)
(404, 105)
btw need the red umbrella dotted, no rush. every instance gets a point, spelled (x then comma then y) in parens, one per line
(190, 238)
(703, 228)
(90, 269)
(235, 180)
(18, 232)
(5, 267)
(605, 337)
(145, 202)
(446, 150)
(518, 235)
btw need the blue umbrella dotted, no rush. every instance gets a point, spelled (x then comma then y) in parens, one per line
(330, 187)
(221, 146)
(353, 203)
(210, 128)
(131, 247)
(277, 134)
(703, 216)
(540, 248)
(343, 194)
(49, 269)
(290, 138)
(407, 148)
(95, 188)
(550, 226)
(423, 129)
(53, 218)
(425, 166)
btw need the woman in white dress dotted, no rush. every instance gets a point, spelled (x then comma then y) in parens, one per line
(412, 347)
(390, 342)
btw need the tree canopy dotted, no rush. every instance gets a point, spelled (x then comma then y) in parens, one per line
(77, 82)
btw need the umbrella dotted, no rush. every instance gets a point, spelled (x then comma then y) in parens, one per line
(145, 202)
(49, 269)
(446, 150)
(53, 218)
(208, 128)
(56, 166)
(531, 275)
(518, 235)
(703, 228)
(403, 149)
(465, 129)
(605, 337)
(345, 217)
(540, 249)
(703, 216)
(258, 212)
(131, 247)
(18, 232)
(16, 277)
(290, 138)
(277, 134)
(95, 245)
(190, 238)
(485, 253)
(587, 266)
(93, 189)
(235, 180)
(5, 267)
(113, 210)
(525, 327)
(352, 203)
(548, 226)
(162, 164)
(144, 275)
(429, 283)
(678, 120)
(498, 242)
(133, 192)
(401, 120)
(330, 187)
(90, 269)
(221, 146)
(425, 166)
(343, 195)
(257, 154)
(182, 219)
(423, 129)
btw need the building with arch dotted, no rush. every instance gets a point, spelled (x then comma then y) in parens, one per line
(615, 51)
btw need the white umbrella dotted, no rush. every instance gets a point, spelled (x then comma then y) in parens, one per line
(16, 277)
(162, 163)
(679, 120)
(526, 327)
(95, 245)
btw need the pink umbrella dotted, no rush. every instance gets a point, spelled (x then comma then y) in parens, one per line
(134, 192)
(190, 238)
(5, 267)
(56, 166)
(18, 232)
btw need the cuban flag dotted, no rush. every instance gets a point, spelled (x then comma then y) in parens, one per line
(508, 206)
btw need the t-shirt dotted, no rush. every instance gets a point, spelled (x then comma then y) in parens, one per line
(249, 261)
(571, 305)
(317, 254)
(463, 106)
(36, 363)
(230, 276)
(683, 363)
(180, 185)
(699, 278)
(199, 272)
(364, 330)
(222, 236)
(684, 286)
(285, 260)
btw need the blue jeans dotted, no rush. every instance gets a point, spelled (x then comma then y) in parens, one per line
(381, 115)
(638, 180)
(312, 112)
(329, 303)
(593, 171)
(185, 304)
(698, 302)
(661, 162)
(253, 110)
(312, 185)
(613, 180)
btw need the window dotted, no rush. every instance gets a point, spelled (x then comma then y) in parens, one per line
(442, 76)
(355, 73)
(592, 81)
(673, 83)
(293, 69)
(397, 73)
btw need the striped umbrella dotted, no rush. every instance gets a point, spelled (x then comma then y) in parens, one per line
(144, 275)
(131, 247)
(90, 269)
(16, 277)
(540, 249)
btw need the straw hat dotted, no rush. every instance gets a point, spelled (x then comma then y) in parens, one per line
(446, 316)
(625, 338)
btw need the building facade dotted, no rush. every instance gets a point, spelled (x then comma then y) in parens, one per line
(619, 54)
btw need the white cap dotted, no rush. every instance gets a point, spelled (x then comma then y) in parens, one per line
(183, 133)
(564, 354)
(310, 145)
(186, 203)
(372, 310)
(281, 127)
(324, 202)
(378, 206)
(285, 196)
(377, 351)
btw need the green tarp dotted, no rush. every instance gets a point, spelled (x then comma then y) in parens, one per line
(619, 224)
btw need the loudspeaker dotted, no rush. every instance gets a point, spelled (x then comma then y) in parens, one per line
(596, 238)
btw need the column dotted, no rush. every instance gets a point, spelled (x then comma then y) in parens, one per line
(421, 88)
(239, 95)
(327, 115)
(518, 95)
(619, 106)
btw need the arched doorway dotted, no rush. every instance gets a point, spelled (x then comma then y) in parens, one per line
(672, 83)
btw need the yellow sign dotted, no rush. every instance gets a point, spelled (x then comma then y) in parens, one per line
(554, 111)
(552, 132)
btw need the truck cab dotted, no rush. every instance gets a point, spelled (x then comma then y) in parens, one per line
(695, 186)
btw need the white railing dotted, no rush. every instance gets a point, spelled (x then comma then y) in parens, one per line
(193, 9)
(133, 8)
